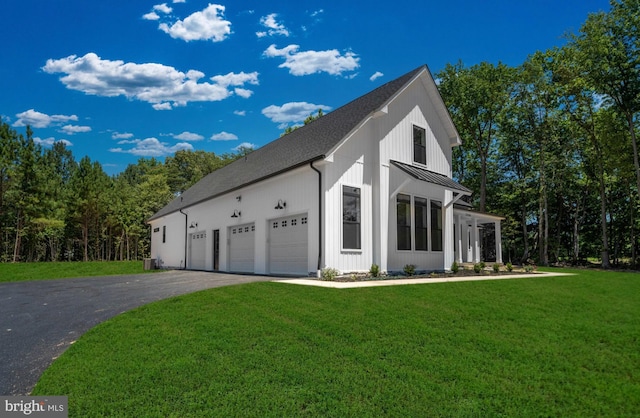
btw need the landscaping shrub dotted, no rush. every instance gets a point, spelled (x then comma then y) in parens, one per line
(409, 269)
(455, 267)
(329, 273)
(496, 268)
(374, 271)
(478, 267)
(509, 267)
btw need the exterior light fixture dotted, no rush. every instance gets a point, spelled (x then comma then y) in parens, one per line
(281, 204)
(194, 224)
(238, 198)
(236, 214)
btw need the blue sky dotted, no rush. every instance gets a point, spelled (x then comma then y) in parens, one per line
(119, 80)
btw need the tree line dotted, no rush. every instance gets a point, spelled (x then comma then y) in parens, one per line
(551, 144)
(54, 208)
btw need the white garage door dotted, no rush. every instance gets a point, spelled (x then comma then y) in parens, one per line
(242, 240)
(197, 247)
(288, 245)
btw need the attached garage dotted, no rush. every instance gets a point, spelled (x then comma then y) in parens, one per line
(242, 244)
(288, 245)
(197, 250)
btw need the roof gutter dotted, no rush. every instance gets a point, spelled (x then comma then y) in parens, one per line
(185, 238)
(319, 215)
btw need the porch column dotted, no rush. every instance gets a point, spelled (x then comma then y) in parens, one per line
(475, 241)
(498, 242)
(459, 239)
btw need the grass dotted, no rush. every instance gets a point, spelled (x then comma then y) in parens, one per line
(17, 272)
(563, 346)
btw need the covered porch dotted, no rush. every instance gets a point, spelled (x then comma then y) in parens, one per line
(468, 233)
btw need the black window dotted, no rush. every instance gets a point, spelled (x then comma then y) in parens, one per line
(350, 218)
(403, 209)
(436, 226)
(419, 145)
(164, 234)
(421, 217)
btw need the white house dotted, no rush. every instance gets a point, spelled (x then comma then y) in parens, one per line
(369, 183)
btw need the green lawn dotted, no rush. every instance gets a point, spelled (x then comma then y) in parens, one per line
(16, 272)
(561, 347)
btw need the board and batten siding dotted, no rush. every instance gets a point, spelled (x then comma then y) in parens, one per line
(256, 204)
(396, 128)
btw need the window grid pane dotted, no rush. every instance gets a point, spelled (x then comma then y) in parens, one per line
(403, 208)
(351, 218)
(421, 214)
(436, 226)
(419, 145)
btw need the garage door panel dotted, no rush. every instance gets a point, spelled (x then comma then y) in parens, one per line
(242, 248)
(288, 245)
(198, 245)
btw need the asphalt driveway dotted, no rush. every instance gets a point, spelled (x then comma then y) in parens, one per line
(40, 319)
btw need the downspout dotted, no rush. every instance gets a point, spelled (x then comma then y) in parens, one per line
(185, 238)
(319, 215)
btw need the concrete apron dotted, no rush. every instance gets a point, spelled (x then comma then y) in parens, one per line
(426, 280)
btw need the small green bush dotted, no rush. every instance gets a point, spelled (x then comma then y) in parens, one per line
(329, 273)
(455, 267)
(496, 268)
(374, 271)
(509, 267)
(478, 267)
(409, 269)
(528, 268)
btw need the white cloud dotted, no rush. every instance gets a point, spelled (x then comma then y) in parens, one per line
(179, 1)
(47, 142)
(245, 145)
(162, 86)
(208, 24)
(124, 135)
(75, 129)
(163, 8)
(240, 112)
(244, 93)
(189, 136)
(274, 27)
(151, 147)
(292, 112)
(311, 62)
(151, 16)
(224, 136)
(41, 120)
(376, 75)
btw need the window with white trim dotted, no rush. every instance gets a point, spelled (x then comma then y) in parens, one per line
(436, 226)
(421, 216)
(351, 218)
(403, 221)
(419, 145)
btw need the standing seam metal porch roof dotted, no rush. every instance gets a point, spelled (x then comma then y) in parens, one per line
(431, 177)
(308, 143)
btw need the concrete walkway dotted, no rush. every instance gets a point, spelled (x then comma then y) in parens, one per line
(39, 320)
(427, 280)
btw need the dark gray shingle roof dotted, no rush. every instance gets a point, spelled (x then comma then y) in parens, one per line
(305, 144)
(430, 177)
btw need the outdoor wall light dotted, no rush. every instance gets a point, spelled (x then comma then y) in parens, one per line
(238, 198)
(194, 224)
(236, 214)
(281, 204)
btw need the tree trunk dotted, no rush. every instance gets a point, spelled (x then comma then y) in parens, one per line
(603, 220)
(483, 182)
(634, 145)
(18, 240)
(525, 235)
